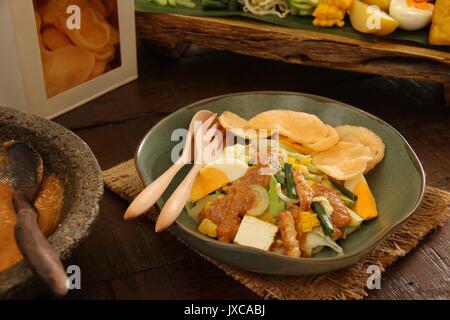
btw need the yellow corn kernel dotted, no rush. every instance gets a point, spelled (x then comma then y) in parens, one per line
(311, 183)
(308, 221)
(296, 166)
(291, 160)
(209, 228)
(306, 161)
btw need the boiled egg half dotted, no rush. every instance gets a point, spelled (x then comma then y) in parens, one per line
(411, 14)
(365, 206)
(218, 173)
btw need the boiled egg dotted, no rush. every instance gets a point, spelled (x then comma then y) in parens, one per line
(236, 151)
(218, 173)
(411, 14)
(365, 206)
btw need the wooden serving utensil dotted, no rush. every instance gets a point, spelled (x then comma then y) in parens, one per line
(27, 171)
(181, 195)
(148, 197)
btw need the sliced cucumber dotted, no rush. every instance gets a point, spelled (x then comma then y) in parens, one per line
(347, 201)
(262, 200)
(276, 205)
(194, 211)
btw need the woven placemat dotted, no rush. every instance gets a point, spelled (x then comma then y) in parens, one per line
(348, 283)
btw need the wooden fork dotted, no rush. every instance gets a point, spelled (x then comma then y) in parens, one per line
(181, 195)
(148, 197)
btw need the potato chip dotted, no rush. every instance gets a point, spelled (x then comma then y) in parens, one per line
(323, 144)
(95, 33)
(365, 137)
(240, 127)
(301, 127)
(344, 160)
(54, 39)
(65, 68)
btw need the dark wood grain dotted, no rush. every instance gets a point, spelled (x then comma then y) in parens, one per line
(298, 46)
(128, 260)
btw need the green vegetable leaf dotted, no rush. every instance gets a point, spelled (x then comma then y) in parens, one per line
(276, 205)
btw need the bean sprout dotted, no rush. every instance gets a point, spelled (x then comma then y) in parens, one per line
(266, 7)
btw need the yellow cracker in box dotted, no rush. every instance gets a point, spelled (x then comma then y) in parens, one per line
(98, 6)
(110, 6)
(95, 33)
(53, 10)
(440, 26)
(65, 68)
(115, 36)
(106, 55)
(99, 68)
(54, 39)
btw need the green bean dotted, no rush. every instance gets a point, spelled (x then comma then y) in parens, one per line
(325, 221)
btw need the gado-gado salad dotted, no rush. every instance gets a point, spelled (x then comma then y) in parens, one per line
(288, 183)
(373, 17)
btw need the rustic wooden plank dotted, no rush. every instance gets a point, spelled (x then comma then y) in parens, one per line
(297, 46)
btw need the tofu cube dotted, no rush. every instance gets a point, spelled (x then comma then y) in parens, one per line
(255, 233)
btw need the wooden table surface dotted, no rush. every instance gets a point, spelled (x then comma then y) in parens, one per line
(127, 260)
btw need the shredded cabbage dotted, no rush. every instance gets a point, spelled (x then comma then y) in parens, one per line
(284, 197)
(316, 240)
(266, 7)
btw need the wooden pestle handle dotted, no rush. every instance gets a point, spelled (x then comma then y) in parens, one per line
(35, 247)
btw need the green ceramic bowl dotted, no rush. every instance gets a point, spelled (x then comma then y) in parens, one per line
(398, 182)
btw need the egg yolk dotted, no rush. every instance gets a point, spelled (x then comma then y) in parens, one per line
(420, 4)
(208, 180)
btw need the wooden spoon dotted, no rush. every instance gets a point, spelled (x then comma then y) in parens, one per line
(181, 195)
(148, 197)
(27, 171)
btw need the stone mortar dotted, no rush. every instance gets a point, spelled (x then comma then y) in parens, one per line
(71, 159)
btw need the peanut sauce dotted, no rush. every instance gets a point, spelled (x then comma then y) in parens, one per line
(227, 211)
(48, 202)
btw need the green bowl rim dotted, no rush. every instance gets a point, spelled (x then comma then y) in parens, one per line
(375, 240)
